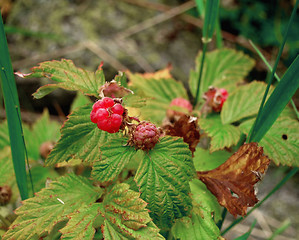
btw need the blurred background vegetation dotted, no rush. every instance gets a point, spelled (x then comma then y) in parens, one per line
(145, 36)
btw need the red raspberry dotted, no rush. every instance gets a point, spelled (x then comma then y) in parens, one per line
(215, 97)
(145, 136)
(182, 103)
(107, 115)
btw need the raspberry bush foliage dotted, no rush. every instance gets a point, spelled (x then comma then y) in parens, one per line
(154, 165)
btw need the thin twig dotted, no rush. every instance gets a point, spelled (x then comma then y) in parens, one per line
(155, 20)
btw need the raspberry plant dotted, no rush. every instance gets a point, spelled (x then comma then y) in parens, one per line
(160, 167)
(150, 182)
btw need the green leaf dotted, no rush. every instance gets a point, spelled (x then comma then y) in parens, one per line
(222, 135)
(80, 224)
(223, 68)
(7, 175)
(43, 130)
(211, 14)
(199, 226)
(79, 101)
(115, 155)
(38, 215)
(126, 216)
(68, 77)
(204, 160)
(205, 199)
(80, 139)
(242, 103)
(159, 94)
(281, 142)
(163, 178)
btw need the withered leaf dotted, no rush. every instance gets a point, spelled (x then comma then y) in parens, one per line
(114, 90)
(233, 181)
(185, 127)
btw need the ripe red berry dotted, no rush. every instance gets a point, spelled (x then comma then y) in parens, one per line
(145, 136)
(107, 115)
(215, 98)
(181, 103)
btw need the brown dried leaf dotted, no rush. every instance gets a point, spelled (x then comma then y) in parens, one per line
(186, 127)
(237, 175)
(114, 90)
(163, 73)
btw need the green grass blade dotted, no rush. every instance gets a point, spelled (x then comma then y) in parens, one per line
(260, 113)
(275, 75)
(13, 114)
(280, 97)
(281, 229)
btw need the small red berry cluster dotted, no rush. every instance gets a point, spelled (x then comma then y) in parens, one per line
(107, 114)
(182, 103)
(215, 97)
(145, 136)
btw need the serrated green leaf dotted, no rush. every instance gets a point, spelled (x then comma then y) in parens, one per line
(281, 142)
(80, 139)
(80, 225)
(199, 226)
(222, 135)
(7, 175)
(223, 68)
(79, 101)
(204, 160)
(39, 215)
(159, 94)
(244, 102)
(4, 135)
(68, 77)
(43, 130)
(126, 216)
(115, 155)
(163, 178)
(205, 199)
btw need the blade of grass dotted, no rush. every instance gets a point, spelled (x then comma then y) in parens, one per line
(11, 102)
(278, 186)
(281, 229)
(210, 19)
(280, 97)
(258, 119)
(275, 75)
(247, 234)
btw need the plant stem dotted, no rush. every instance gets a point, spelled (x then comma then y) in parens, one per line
(223, 215)
(278, 186)
(200, 72)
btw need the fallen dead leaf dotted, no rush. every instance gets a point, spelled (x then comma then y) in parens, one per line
(233, 181)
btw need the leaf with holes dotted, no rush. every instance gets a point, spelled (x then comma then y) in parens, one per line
(38, 215)
(126, 216)
(200, 225)
(222, 135)
(223, 68)
(80, 139)
(158, 91)
(163, 178)
(238, 174)
(115, 155)
(80, 224)
(243, 103)
(68, 77)
(281, 142)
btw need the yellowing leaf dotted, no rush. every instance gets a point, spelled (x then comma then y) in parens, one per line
(68, 77)
(237, 175)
